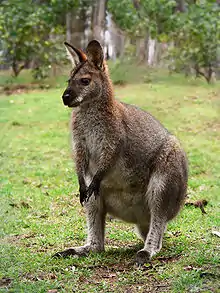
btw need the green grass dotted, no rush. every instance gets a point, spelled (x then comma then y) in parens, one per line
(25, 79)
(122, 73)
(41, 214)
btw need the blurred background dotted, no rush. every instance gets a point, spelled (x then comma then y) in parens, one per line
(164, 57)
(176, 35)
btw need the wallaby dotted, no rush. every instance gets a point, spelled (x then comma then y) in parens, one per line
(127, 163)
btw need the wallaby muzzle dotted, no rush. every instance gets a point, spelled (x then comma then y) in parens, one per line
(70, 98)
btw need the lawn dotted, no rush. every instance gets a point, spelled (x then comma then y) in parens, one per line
(41, 214)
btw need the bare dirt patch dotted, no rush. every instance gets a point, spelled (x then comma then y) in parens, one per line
(16, 89)
(147, 287)
(16, 239)
(39, 277)
(112, 275)
(22, 88)
(213, 125)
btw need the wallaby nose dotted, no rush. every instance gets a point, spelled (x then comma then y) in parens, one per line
(66, 97)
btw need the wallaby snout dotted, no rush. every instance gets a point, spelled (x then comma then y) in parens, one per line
(70, 98)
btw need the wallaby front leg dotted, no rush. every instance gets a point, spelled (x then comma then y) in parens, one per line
(81, 161)
(96, 226)
(82, 189)
(95, 215)
(94, 185)
(106, 161)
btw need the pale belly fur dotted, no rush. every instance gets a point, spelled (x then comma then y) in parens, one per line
(120, 200)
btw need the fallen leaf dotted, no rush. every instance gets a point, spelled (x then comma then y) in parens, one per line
(73, 268)
(188, 268)
(216, 233)
(209, 275)
(109, 276)
(14, 205)
(26, 181)
(198, 204)
(39, 185)
(25, 204)
(4, 282)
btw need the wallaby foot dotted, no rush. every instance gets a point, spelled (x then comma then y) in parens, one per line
(143, 256)
(153, 242)
(96, 224)
(77, 251)
(150, 249)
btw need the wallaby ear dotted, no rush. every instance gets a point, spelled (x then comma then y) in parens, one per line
(95, 53)
(76, 56)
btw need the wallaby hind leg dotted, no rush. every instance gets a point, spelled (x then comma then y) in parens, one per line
(153, 242)
(96, 226)
(142, 230)
(164, 198)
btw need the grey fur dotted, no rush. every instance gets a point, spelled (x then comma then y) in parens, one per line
(139, 168)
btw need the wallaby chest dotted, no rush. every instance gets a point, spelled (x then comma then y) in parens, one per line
(92, 132)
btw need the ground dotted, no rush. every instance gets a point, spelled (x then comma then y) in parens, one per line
(41, 214)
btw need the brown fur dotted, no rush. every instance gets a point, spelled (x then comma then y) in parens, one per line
(127, 163)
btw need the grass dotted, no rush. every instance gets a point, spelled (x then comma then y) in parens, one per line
(41, 214)
(122, 73)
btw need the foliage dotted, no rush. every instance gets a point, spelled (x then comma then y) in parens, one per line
(197, 39)
(194, 31)
(139, 17)
(125, 15)
(41, 214)
(30, 33)
(122, 72)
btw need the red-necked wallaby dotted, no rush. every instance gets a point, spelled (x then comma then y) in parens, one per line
(127, 163)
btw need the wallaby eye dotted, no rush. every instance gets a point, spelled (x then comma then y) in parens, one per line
(85, 81)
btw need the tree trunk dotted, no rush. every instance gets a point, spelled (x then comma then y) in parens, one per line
(16, 68)
(69, 27)
(78, 27)
(151, 49)
(115, 39)
(180, 5)
(142, 50)
(75, 27)
(207, 73)
(98, 20)
(157, 54)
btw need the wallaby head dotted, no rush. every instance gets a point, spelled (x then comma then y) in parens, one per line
(88, 76)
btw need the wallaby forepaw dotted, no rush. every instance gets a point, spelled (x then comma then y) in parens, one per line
(92, 189)
(142, 257)
(82, 194)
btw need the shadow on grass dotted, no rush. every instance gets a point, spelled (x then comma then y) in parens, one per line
(122, 257)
